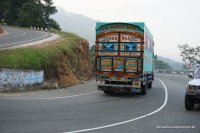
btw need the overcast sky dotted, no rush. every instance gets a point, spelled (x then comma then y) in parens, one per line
(171, 22)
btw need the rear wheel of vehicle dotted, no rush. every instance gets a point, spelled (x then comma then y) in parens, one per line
(143, 89)
(189, 104)
(150, 85)
(109, 92)
(106, 92)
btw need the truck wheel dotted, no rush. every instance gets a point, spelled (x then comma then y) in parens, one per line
(189, 104)
(143, 89)
(150, 85)
(106, 92)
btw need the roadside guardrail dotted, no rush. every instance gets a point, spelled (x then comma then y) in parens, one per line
(174, 71)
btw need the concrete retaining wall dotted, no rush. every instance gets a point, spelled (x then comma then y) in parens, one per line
(11, 79)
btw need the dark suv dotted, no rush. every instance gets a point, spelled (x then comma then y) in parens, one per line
(192, 95)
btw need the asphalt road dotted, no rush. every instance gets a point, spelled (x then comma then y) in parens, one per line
(82, 108)
(15, 37)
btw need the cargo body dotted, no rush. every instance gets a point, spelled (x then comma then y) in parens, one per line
(124, 57)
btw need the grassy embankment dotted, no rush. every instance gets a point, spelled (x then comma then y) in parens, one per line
(47, 57)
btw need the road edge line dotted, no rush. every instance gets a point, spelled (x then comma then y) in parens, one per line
(49, 98)
(131, 120)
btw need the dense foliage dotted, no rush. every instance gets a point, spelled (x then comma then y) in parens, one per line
(27, 13)
(190, 55)
(159, 64)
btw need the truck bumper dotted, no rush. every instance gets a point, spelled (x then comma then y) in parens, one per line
(119, 88)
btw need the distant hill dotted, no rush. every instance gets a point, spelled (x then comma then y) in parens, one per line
(76, 23)
(172, 63)
(85, 27)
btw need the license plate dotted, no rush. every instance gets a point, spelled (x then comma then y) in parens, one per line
(136, 84)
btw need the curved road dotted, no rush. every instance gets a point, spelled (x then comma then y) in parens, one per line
(16, 37)
(81, 108)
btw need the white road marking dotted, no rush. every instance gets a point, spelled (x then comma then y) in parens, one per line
(128, 121)
(48, 98)
(46, 34)
(13, 36)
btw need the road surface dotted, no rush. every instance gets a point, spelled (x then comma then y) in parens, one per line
(15, 37)
(81, 108)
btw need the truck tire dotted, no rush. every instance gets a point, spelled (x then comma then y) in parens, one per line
(150, 85)
(189, 104)
(144, 89)
(106, 92)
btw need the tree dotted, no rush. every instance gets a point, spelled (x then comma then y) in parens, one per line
(27, 13)
(53, 24)
(3, 10)
(190, 55)
(92, 55)
(9, 10)
(159, 64)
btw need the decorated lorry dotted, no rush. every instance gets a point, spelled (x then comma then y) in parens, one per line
(124, 57)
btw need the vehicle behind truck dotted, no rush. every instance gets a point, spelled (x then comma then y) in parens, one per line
(124, 57)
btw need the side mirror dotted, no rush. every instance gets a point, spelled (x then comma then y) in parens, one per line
(191, 76)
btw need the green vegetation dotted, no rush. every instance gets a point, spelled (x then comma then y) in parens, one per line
(92, 55)
(42, 57)
(27, 13)
(159, 64)
(190, 55)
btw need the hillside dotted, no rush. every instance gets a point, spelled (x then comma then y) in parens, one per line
(172, 63)
(61, 60)
(76, 23)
